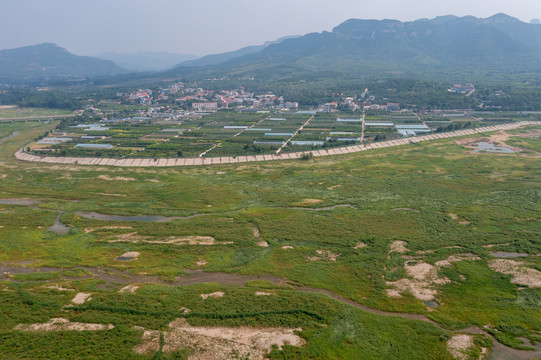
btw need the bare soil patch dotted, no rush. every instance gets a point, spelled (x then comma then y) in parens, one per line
(422, 281)
(459, 219)
(173, 240)
(58, 287)
(132, 289)
(423, 278)
(201, 263)
(334, 187)
(215, 295)
(360, 245)
(287, 247)
(325, 255)
(60, 324)
(80, 298)
(459, 345)
(522, 275)
(89, 230)
(117, 178)
(262, 293)
(305, 202)
(255, 231)
(399, 247)
(220, 342)
(131, 254)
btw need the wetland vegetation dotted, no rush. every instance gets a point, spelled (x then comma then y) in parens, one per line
(423, 223)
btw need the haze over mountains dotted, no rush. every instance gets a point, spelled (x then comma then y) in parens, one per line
(444, 44)
(50, 61)
(146, 60)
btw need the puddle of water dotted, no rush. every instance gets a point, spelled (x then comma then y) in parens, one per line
(491, 148)
(143, 218)
(58, 227)
(20, 202)
(432, 304)
(503, 254)
(124, 258)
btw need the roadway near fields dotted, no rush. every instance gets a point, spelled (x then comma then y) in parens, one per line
(170, 162)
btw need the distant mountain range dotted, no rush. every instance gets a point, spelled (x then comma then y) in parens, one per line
(146, 60)
(50, 61)
(444, 46)
(216, 59)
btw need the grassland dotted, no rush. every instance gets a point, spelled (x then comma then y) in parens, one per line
(440, 199)
(10, 112)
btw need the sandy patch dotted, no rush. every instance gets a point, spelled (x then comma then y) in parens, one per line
(326, 255)
(201, 263)
(119, 195)
(219, 342)
(58, 287)
(287, 247)
(399, 247)
(459, 219)
(153, 180)
(215, 295)
(422, 283)
(132, 289)
(521, 274)
(309, 202)
(80, 298)
(393, 293)
(494, 245)
(360, 245)
(3, 176)
(220, 173)
(263, 244)
(117, 178)
(132, 254)
(455, 258)
(334, 187)
(262, 293)
(458, 346)
(173, 240)
(423, 278)
(255, 231)
(89, 230)
(60, 324)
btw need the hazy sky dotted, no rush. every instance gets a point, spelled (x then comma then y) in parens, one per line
(199, 27)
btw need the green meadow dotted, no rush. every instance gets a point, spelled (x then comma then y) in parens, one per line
(310, 229)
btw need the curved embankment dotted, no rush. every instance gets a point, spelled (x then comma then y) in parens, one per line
(21, 155)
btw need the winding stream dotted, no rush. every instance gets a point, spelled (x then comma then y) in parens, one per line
(114, 277)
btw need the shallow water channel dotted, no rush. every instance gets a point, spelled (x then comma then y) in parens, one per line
(491, 148)
(114, 277)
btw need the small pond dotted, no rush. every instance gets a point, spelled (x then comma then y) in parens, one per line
(491, 148)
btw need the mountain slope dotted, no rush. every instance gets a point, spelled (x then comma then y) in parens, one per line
(444, 44)
(217, 59)
(50, 61)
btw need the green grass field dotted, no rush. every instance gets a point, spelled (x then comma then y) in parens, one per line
(438, 198)
(8, 112)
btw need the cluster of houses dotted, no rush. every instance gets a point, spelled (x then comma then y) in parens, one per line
(208, 100)
(462, 89)
(353, 106)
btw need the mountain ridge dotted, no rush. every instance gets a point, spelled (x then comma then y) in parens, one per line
(50, 61)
